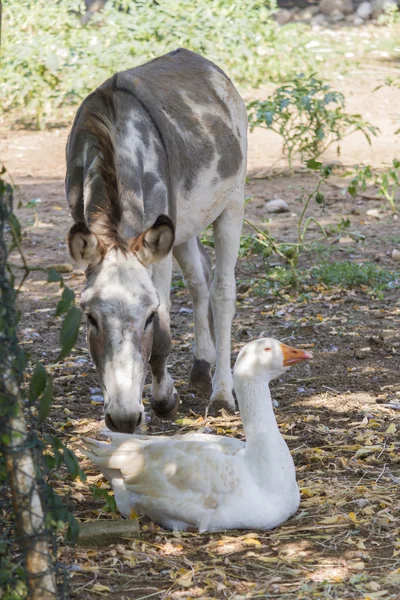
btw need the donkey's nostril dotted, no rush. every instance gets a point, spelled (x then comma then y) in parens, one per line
(110, 423)
(125, 423)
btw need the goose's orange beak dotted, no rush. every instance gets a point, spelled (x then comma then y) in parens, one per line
(291, 356)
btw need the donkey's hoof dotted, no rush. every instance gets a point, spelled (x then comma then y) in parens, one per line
(200, 376)
(166, 409)
(221, 399)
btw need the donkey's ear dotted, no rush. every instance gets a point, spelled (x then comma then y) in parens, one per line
(155, 243)
(84, 246)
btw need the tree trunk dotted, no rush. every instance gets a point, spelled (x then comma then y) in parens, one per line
(33, 538)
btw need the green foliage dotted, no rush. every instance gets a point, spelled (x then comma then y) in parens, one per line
(265, 245)
(387, 182)
(308, 115)
(390, 16)
(48, 451)
(350, 274)
(69, 331)
(50, 61)
(109, 501)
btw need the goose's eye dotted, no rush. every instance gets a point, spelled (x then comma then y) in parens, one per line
(92, 321)
(149, 321)
(267, 349)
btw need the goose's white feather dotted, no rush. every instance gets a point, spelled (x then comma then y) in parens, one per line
(210, 482)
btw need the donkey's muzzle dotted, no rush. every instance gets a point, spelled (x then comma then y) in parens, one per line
(124, 423)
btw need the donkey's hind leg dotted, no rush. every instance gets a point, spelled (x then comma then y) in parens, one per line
(227, 228)
(164, 397)
(195, 263)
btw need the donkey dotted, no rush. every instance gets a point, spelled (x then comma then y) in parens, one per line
(155, 155)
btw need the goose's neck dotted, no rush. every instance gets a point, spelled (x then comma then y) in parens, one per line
(259, 422)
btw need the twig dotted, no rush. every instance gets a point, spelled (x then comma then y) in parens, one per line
(381, 473)
(333, 391)
(255, 276)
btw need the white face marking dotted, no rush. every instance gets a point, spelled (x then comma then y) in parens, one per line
(119, 298)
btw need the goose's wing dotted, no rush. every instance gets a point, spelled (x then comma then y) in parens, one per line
(186, 483)
(227, 445)
(178, 480)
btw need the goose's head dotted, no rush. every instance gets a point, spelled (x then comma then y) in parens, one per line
(266, 358)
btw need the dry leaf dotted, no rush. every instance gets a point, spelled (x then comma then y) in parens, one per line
(361, 452)
(99, 587)
(357, 566)
(330, 520)
(352, 516)
(252, 542)
(392, 428)
(268, 559)
(133, 514)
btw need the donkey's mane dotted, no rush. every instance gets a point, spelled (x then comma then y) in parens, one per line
(97, 126)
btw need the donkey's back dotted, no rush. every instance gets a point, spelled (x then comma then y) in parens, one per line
(178, 128)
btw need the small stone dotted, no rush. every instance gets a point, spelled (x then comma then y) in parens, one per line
(357, 21)
(336, 16)
(374, 212)
(396, 255)
(307, 13)
(96, 399)
(277, 206)
(283, 16)
(362, 502)
(346, 240)
(327, 7)
(319, 21)
(361, 353)
(95, 390)
(103, 533)
(364, 10)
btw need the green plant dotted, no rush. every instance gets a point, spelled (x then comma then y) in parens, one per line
(108, 496)
(300, 112)
(390, 16)
(264, 244)
(387, 182)
(350, 274)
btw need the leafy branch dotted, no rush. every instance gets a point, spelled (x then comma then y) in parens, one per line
(387, 182)
(50, 450)
(300, 112)
(265, 244)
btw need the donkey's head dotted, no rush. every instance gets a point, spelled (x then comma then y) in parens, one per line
(120, 302)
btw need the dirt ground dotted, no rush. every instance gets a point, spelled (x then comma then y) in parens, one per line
(344, 542)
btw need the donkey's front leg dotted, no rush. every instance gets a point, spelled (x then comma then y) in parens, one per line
(164, 397)
(227, 230)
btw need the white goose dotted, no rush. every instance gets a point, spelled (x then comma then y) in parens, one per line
(210, 482)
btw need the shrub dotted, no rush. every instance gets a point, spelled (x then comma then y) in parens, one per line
(301, 113)
(50, 61)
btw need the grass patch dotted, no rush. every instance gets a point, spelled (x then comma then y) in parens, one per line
(342, 275)
(350, 274)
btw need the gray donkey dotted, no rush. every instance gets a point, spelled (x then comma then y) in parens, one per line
(155, 155)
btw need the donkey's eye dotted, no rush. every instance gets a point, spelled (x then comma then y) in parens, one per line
(92, 321)
(149, 320)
